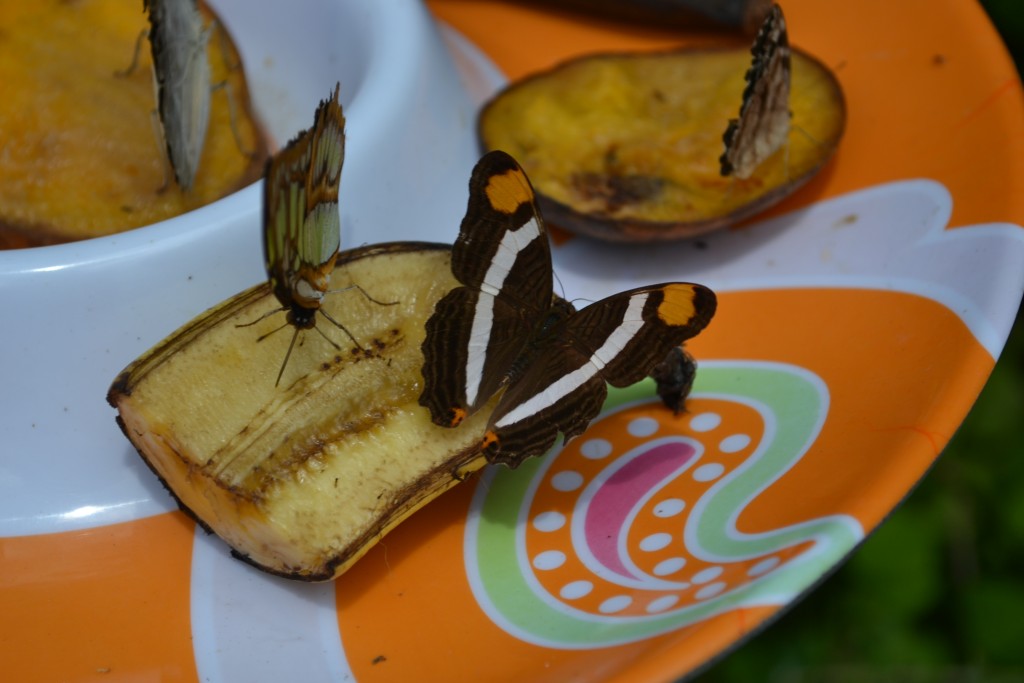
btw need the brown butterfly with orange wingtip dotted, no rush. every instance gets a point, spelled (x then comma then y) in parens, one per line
(504, 329)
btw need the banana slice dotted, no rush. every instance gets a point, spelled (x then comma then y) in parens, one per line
(301, 479)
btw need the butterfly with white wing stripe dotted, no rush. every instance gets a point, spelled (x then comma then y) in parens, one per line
(504, 328)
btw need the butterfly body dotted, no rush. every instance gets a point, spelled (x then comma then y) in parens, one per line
(504, 330)
(302, 227)
(181, 73)
(301, 223)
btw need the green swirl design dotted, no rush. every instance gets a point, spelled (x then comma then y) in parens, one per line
(793, 403)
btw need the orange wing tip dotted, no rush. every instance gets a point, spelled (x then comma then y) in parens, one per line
(491, 444)
(507, 191)
(456, 416)
(677, 307)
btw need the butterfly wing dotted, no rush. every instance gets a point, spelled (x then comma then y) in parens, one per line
(617, 340)
(182, 75)
(301, 225)
(763, 123)
(503, 260)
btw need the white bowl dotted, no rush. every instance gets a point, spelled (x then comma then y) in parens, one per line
(77, 313)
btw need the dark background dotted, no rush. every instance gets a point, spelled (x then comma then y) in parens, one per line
(937, 593)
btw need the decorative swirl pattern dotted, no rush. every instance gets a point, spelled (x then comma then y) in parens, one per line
(630, 531)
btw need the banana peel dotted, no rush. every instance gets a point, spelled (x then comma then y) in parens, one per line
(303, 478)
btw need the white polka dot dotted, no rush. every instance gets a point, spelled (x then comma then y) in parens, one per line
(670, 507)
(707, 574)
(595, 449)
(705, 422)
(669, 566)
(576, 590)
(567, 480)
(710, 590)
(712, 470)
(734, 443)
(655, 542)
(615, 604)
(549, 521)
(661, 604)
(643, 426)
(763, 567)
(549, 559)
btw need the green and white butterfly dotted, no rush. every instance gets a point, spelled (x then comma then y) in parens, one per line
(301, 223)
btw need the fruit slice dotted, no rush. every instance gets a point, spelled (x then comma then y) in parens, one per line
(626, 147)
(81, 157)
(303, 478)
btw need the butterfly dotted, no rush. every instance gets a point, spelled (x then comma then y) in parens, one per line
(181, 73)
(763, 123)
(503, 328)
(301, 224)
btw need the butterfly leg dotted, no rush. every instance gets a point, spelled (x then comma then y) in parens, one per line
(225, 50)
(342, 328)
(158, 133)
(124, 73)
(233, 117)
(263, 317)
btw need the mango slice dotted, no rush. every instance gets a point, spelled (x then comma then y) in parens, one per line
(626, 147)
(80, 154)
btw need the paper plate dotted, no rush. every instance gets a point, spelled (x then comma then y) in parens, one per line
(857, 323)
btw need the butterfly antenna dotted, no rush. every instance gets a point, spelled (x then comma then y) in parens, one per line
(561, 287)
(229, 93)
(342, 328)
(329, 340)
(288, 355)
(125, 73)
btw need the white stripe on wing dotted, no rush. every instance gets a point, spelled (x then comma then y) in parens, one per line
(512, 244)
(631, 323)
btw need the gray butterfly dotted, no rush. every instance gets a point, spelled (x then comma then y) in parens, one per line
(763, 123)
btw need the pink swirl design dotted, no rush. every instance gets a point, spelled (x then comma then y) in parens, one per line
(612, 503)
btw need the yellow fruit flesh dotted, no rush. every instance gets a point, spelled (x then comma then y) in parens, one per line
(80, 154)
(652, 125)
(303, 478)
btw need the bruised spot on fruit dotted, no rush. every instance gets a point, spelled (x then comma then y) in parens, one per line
(616, 192)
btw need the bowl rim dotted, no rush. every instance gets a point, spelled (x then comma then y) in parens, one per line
(386, 76)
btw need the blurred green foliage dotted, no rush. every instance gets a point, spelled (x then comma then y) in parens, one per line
(936, 595)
